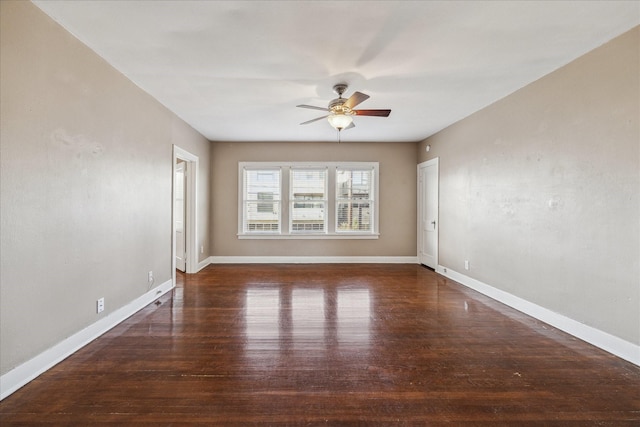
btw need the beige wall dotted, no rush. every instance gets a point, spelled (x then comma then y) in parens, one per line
(540, 191)
(86, 164)
(397, 198)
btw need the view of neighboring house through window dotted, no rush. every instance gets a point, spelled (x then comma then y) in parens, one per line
(308, 200)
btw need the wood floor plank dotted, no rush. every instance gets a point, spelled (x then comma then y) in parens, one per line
(330, 345)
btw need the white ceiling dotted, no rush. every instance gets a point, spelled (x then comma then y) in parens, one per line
(235, 70)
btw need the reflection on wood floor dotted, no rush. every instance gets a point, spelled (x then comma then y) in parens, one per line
(330, 345)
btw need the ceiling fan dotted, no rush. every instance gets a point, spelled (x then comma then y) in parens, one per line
(341, 110)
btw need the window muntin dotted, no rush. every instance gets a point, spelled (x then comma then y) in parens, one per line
(261, 200)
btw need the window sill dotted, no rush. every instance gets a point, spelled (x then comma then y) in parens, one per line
(330, 236)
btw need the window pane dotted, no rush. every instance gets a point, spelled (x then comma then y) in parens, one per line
(354, 216)
(262, 200)
(308, 196)
(308, 184)
(261, 216)
(262, 182)
(308, 216)
(353, 184)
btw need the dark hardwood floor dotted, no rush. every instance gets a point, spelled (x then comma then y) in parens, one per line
(330, 345)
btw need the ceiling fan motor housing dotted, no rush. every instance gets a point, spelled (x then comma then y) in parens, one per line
(340, 88)
(338, 102)
(337, 106)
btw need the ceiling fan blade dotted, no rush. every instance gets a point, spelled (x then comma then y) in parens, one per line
(377, 113)
(355, 99)
(351, 125)
(314, 120)
(312, 107)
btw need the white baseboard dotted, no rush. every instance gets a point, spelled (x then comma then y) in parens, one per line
(202, 264)
(313, 259)
(610, 343)
(22, 374)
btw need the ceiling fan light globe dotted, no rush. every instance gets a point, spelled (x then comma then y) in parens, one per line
(339, 121)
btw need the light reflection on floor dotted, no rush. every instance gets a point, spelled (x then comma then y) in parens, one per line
(262, 319)
(354, 316)
(305, 319)
(308, 319)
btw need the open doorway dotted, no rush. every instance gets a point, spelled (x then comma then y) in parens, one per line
(184, 252)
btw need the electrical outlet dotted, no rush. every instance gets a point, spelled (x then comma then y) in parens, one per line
(150, 278)
(466, 264)
(201, 249)
(100, 305)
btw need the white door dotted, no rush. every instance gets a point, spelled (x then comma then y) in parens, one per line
(428, 213)
(179, 216)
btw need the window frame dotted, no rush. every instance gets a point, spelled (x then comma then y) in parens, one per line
(370, 200)
(242, 227)
(331, 202)
(293, 201)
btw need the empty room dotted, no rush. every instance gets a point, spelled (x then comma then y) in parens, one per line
(320, 212)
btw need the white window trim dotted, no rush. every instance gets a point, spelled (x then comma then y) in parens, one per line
(373, 198)
(241, 191)
(331, 205)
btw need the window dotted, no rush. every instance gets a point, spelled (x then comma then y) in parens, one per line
(308, 200)
(261, 200)
(353, 199)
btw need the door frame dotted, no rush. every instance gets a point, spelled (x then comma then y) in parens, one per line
(181, 263)
(433, 162)
(190, 218)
